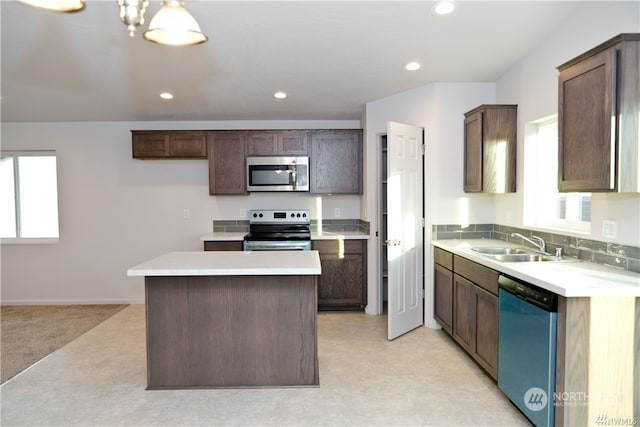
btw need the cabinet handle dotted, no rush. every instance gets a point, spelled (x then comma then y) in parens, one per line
(391, 243)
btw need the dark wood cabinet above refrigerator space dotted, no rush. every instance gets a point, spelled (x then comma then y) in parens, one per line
(169, 144)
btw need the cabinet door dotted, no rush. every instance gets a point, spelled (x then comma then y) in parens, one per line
(341, 281)
(443, 297)
(343, 284)
(586, 144)
(473, 153)
(278, 143)
(463, 313)
(191, 144)
(499, 125)
(486, 332)
(293, 143)
(227, 173)
(262, 143)
(150, 144)
(336, 162)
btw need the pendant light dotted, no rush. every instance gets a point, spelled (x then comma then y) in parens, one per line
(57, 5)
(173, 25)
(132, 13)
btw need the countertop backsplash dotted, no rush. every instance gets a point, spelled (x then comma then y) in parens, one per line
(612, 254)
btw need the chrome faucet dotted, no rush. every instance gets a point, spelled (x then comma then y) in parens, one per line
(536, 241)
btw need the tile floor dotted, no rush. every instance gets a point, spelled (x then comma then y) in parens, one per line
(421, 378)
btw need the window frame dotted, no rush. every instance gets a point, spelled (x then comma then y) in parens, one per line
(531, 199)
(15, 155)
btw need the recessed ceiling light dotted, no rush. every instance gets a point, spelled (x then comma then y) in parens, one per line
(166, 95)
(280, 95)
(443, 7)
(412, 66)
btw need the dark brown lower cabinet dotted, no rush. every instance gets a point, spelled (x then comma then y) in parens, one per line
(463, 313)
(443, 297)
(227, 245)
(466, 306)
(485, 350)
(343, 283)
(475, 324)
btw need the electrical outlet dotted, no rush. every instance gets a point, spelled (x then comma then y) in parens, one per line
(186, 213)
(243, 213)
(336, 212)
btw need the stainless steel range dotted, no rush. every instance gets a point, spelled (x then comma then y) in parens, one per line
(278, 230)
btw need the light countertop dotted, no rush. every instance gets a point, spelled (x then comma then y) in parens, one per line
(230, 263)
(323, 235)
(570, 278)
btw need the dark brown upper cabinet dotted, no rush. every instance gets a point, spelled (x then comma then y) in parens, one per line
(336, 161)
(490, 149)
(227, 170)
(599, 118)
(167, 144)
(278, 143)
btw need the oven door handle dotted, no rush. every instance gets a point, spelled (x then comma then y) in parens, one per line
(277, 246)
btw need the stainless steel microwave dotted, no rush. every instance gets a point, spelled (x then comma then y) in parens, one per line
(277, 173)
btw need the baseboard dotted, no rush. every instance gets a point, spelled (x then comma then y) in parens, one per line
(70, 302)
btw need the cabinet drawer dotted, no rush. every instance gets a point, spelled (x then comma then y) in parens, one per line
(338, 246)
(443, 258)
(480, 275)
(232, 245)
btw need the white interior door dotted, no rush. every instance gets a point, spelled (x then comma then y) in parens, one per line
(404, 228)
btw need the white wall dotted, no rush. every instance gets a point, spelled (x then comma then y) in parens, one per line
(532, 83)
(116, 211)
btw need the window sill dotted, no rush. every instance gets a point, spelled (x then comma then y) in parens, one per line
(28, 240)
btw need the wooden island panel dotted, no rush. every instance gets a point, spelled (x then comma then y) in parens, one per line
(231, 331)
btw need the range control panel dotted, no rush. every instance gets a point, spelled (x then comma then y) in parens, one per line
(298, 216)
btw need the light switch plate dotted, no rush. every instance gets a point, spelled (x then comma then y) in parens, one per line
(609, 229)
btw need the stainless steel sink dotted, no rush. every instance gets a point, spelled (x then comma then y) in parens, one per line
(525, 258)
(510, 254)
(501, 251)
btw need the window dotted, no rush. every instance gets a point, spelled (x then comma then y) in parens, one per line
(28, 195)
(544, 206)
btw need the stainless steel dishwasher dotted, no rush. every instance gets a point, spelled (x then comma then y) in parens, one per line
(527, 348)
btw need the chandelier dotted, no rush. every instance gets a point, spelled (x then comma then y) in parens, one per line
(173, 25)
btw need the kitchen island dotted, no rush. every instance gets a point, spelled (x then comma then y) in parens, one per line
(231, 319)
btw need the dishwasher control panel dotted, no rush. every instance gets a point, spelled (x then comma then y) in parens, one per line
(543, 298)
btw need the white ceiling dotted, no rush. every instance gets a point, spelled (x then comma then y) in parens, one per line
(331, 57)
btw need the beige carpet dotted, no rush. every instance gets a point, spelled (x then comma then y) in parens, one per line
(30, 332)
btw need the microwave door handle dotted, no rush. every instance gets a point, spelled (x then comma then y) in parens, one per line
(293, 174)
